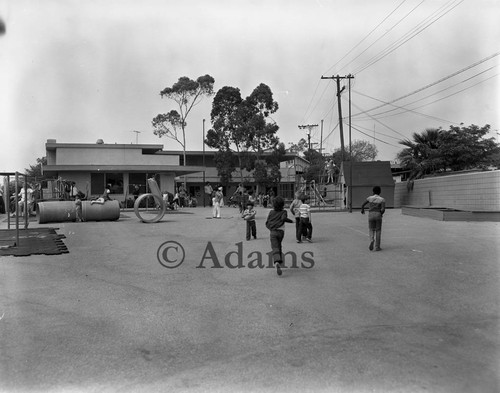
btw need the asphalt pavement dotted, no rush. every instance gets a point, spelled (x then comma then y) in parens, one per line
(188, 305)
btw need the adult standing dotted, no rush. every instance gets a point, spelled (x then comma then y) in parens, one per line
(209, 192)
(294, 209)
(376, 210)
(217, 200)
(74, 192)
(26, 196)
(271, 197)
(239, 197)
(2, 203)
(182, 195)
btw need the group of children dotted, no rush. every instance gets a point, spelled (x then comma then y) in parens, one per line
(277, 218)
(275, 222)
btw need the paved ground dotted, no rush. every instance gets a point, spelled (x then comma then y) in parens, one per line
(420, 316)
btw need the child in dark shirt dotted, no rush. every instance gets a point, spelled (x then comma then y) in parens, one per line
(276, 225)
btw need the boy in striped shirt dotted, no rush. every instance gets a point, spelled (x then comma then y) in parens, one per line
(305, 226)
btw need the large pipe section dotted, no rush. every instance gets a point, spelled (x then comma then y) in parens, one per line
(61, 211)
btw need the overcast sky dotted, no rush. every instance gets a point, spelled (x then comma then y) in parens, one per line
(78, 71)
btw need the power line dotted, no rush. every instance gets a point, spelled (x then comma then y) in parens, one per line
(385, 125)
(391, 48)
(308, 127)
(396, 107)
(460, 91)
(402, 108)
(381, 133)
(359, 43)
(330, 110)
(371, 136)
(387, 32)
(312, 98)
(339, 92)
(434, 83)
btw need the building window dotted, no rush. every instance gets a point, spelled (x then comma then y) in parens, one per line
(115, 182)
(98, 181)
(286, 190)
(140, 179)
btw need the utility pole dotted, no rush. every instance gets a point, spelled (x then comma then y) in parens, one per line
(339, 91)
(308, 127)
(204, 167)
(350, 148)
(321, 139)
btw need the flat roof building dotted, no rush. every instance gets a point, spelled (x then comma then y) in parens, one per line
(93, 166)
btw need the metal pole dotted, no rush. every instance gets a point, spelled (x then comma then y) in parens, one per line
(321, 139)
(17, 212)
(26, 212)
(350, 148)
(7, 200)
(341, 128)
(203, 186)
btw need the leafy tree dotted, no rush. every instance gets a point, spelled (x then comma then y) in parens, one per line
(361, 151)
(186, 93)
(225, 162)
(267, 171)
(437, 150)
(35, 171)
(423, 153)
(243, 126)
(262, 132)
(316, 166)
(299, 147)
(467, 148)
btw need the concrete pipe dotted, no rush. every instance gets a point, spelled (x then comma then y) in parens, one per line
(159, 213)
(61, 211)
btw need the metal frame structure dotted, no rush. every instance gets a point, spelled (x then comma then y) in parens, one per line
(7, 201)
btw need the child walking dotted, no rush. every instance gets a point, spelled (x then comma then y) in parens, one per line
(78, 208)
(376, 209)
(305, 225)
(276, 224)
(249, 216)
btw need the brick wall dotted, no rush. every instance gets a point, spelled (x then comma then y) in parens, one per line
(477, 191)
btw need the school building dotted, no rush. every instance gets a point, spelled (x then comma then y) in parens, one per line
(92, 166)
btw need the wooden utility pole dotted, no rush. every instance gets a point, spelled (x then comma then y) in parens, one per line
(204, 166)
(309, 127)
(321, 139)
(339, 104)
(350, 148)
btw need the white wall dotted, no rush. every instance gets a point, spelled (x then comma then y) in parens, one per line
(111, 156)
(477, 191)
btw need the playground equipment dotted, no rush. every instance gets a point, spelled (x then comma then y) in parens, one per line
(6, 186)
(61, 211)
(160, 206)
(324, 196)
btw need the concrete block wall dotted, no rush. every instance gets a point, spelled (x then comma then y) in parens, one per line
(477, 191)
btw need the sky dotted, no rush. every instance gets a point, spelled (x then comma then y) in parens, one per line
(79, 71)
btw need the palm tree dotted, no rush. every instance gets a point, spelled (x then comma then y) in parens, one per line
(422, 154)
